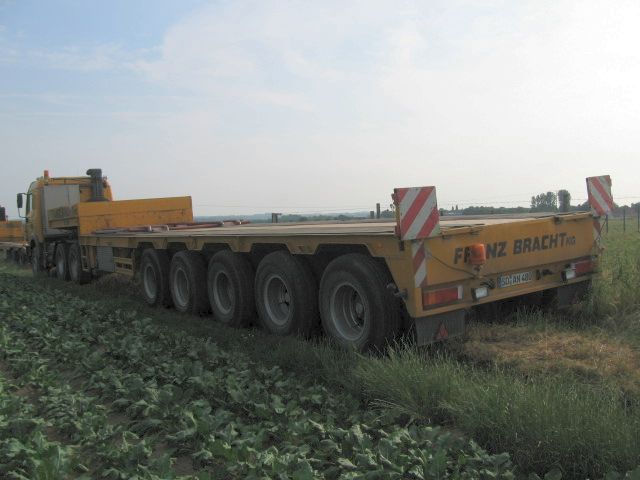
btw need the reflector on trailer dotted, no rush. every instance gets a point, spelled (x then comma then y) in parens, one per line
(583, 267)
(442, 296)
(417, 219)
(416, 212)
(600, 198)
(442, 333)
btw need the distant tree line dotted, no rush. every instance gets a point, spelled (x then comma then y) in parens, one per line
(543, 202)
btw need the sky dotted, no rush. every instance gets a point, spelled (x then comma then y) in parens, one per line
(299, 107)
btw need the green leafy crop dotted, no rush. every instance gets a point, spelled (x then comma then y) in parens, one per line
(94, 394)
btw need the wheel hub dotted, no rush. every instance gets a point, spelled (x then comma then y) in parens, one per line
(277, 299)
(223, 292)
(348, 311)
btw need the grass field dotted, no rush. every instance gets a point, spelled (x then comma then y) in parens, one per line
(94, 383)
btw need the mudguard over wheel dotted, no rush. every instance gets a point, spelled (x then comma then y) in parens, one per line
(154, 276)
(230, 289)
(188, 282)
(286, 295)
(61, 261)
(357, 310)
(74, 261)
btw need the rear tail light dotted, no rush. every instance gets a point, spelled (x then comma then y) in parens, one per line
(577, 269)
(442, 296)
(583, 267)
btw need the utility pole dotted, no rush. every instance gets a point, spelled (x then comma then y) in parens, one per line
(564, 198)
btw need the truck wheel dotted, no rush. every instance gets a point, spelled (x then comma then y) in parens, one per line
(74, 262)
(188, 281)
(21, 257)
(36, 265)
(154, 272)
(230, 288)
(61, 258)
(357, 310)
(286, 295)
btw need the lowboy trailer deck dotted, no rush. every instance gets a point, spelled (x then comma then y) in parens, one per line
(363, 282)
(364, 278)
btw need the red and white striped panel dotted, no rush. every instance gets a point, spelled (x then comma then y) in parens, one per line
(419, 263)
(597, 229)
(600, 198)
(418, 212)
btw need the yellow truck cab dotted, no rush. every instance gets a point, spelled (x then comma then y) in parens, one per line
(58, 210)
(49, 197)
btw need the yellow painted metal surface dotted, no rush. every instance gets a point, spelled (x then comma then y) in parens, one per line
(511, 245)
(34, 228)
(543, 246)
(93, 216)
(12, 231)
(83, 182)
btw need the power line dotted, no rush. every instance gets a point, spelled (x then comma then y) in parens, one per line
(328, 208)
(317, 209)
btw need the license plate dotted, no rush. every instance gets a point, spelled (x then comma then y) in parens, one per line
(514, 279)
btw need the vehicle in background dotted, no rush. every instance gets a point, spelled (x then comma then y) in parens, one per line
(12, 238)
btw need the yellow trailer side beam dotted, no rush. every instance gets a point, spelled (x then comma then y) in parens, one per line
(94, 216)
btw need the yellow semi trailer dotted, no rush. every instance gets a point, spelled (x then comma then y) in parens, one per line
(12, 238)
(363, 282)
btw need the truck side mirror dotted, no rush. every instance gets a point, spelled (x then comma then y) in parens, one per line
(19, 199)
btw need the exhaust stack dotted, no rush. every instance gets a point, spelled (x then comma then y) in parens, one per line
(97, 185)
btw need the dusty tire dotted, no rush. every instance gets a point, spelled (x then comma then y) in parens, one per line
(61, 261)
(74, 261)
(154, 277)
(357, 310)
(188, 282)
(36, 264)
(230, 289)
(286, 295)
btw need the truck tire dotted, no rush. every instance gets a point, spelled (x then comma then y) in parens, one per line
(230, 289)
(286, 295)
(154, 275)
(188, 282)
(74, 262)
(36, 257)
(357, 310)
(61, 259)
